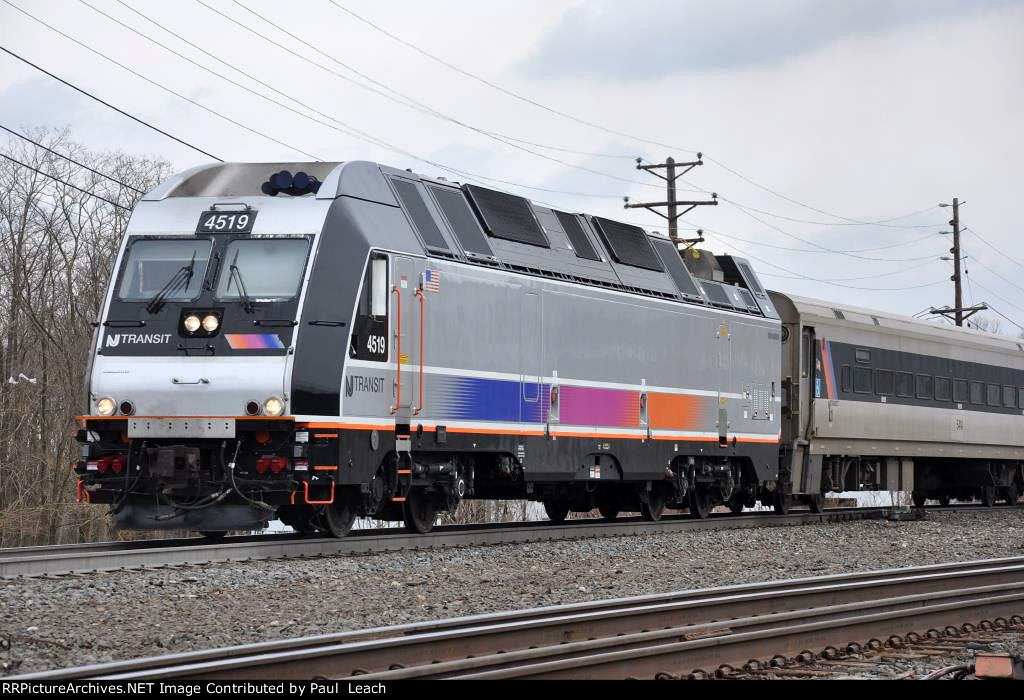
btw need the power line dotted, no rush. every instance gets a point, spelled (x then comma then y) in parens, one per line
(402, 99)
(72, 160)
(826, 252)
(883, 223)
(901, 271)
(340, 126)
(986, 267)
(821, 247)
(997, 296)
(586, 122)
(63, 182)
(807, 278)
(985, 241)
(510, 93)
(1005, 317)
(107, 104)
(160, 85)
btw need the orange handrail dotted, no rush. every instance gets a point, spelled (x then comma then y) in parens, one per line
(305, 495)
(398, 355)
(423, 299)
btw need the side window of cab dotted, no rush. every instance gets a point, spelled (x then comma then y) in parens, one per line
(370, 331)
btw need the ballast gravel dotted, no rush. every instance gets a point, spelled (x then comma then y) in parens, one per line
(94, 618)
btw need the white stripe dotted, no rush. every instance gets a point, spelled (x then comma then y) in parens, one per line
(561, 381)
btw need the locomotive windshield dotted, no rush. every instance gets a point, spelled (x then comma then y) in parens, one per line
(154, 267)
(263, 268)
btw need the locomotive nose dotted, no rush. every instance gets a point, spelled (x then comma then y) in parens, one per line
(190, 386)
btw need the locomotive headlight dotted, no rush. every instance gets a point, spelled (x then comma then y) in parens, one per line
(273, 406)
(105, 406)
(210, 323)
(191, 323)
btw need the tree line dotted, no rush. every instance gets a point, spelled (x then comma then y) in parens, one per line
(58, 241)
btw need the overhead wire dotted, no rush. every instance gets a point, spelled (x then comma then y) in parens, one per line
(64, 182)
(160, 85)
(107, 104)
(510, 93)
(72, 160)
(394, 95)
(339, 125)
(586, 122)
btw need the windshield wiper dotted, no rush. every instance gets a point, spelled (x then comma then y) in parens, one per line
(184, 274)
(236, 277)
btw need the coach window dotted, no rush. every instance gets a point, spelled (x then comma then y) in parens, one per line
(960, 390)
(847, 378)
(993, 395)
(862, 380)
(884, 382)
(943, 388)
(977, 393)
(904, 384)
(1020, 398)
(863, 356)
(924, 387)
(1009, 397)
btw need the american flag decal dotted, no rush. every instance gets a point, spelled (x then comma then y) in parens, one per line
(432, 281)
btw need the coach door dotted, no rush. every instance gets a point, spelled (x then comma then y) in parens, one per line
(406, 330)
(530, 339)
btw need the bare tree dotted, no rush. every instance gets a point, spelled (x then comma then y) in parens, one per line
(57, 247)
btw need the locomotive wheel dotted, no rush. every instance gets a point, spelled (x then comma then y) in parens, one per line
(1010, 495)
(816, 503)
(654, 508)
(919, 499)
(213, 535)
(608, 511)
(988, 496)
(557, 511)
(701, 504)
(782, 502)
(338, 517)
(419, 511)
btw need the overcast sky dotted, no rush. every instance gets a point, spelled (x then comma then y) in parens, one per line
(865, 109)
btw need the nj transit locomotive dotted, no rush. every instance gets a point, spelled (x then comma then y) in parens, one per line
(353, 339)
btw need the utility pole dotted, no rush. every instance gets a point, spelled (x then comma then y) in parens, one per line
(958, 312)
(673, 171)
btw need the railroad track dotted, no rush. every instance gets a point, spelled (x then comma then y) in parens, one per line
(62, 560)
(691, 633)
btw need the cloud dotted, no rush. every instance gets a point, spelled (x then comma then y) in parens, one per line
(658, 38)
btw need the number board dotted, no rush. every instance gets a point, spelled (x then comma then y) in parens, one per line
(226, 222)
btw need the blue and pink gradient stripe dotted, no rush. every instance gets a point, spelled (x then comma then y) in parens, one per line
(254, 341)
(473, 398)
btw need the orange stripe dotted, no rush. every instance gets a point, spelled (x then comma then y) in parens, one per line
(325, 469)
(558, 433)
(675, 412)
(328, 436)
(84, 418)
(398, 499)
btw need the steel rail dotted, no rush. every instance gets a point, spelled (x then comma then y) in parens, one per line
(640, 636)
(118, 556)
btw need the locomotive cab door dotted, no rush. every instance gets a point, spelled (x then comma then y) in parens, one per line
(406, 328)
(724, 362)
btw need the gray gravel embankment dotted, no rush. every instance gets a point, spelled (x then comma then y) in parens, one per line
(105, 617)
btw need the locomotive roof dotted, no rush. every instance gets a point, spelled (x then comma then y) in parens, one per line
(478, 225)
